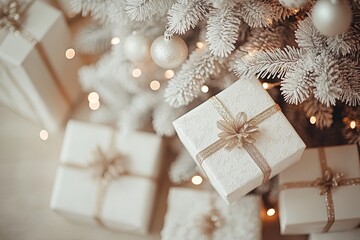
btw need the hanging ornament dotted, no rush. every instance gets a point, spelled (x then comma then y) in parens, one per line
(137, 48)
(169, 51)
(293, 4)
(332, 17)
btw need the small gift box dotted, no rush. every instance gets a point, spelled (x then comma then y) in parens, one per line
(32, 57)
(105, 179)
(321, 192)
(240, 138)
(345, 235)
(201, 215)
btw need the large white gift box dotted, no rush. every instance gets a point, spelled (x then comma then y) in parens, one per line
(343, 235)
(235, 173)
(202, 215)
(321, 192)
(126, 200)
(33, 64)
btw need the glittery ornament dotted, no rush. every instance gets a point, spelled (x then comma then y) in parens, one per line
(137, 48)
(293, 4)
(332, 17)
(169, 51)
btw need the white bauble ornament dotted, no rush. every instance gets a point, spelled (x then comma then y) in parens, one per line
(293, 3)
(137, 48)
(332, 17)
(169, 51)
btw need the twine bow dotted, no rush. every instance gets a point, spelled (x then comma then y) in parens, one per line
(10, 15)
(326, 184)
(238, 133)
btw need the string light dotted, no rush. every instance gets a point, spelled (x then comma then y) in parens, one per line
(70, 53)
(196, 180)
(352, 124)
(270, 212)
(154, 85)
(200, 45)
(169, 74)
(204, 89)
(43, 135)
(265, 85)
(94, 105)
(136, 72)
(115, 41)
(93, 97)
(313, 120)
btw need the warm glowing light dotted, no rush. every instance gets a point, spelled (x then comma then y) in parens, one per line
(44, 135)
(265, 85)
(270, 212)
(154, 85)
(313, 120)
(353, 124)
(169, 74)
(204, 89)
(93, 97)
(136, 72)
(196, 180)
(200, 44)
(115, 41)
(94, 105)
(70, 53)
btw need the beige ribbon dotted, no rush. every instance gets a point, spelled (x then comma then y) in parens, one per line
(238, 133)
(10, 14)
(106, 168)
(210, 222)
(326, 184)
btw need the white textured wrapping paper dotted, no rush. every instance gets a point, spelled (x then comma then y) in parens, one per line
(234, 173)
(186, 206)
(344, 235)
(303, 210)
(129, 200)
(30, 72)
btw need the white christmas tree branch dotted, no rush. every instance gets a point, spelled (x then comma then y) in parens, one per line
(222, 30)
(93, 39)
(183, 169)
(141, 10)
(184, 15)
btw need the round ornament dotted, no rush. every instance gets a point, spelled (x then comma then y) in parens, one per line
(332, 17)
(293, 4)
(169, 51)
(137, 48)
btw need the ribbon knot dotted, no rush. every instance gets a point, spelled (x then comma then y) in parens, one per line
(10, 15)
(236, 132)
(210, 222)
(329, 181)
(108, 167)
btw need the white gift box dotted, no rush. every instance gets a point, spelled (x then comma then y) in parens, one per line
(40, 71)
(235, 173)
(187, 208)
(129, 199)
(303, 209)
(344, 235)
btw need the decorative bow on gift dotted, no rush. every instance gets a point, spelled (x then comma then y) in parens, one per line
(329, 181)
(10, 15)
(210, 222)
(237, 132)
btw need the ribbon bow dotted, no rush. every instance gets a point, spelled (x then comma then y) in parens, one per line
(10, 15)
(108, 167)
(210, 222)
(329, 181)
(236, 132)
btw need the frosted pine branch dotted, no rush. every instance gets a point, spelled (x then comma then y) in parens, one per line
(184, 15)
(163, 116)
(222, 30)
(141, 10)
(186, 85)
(349, 80)
(269, 63)
(307, 36)
(323, 114)
(93, 39)
(183, 169)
